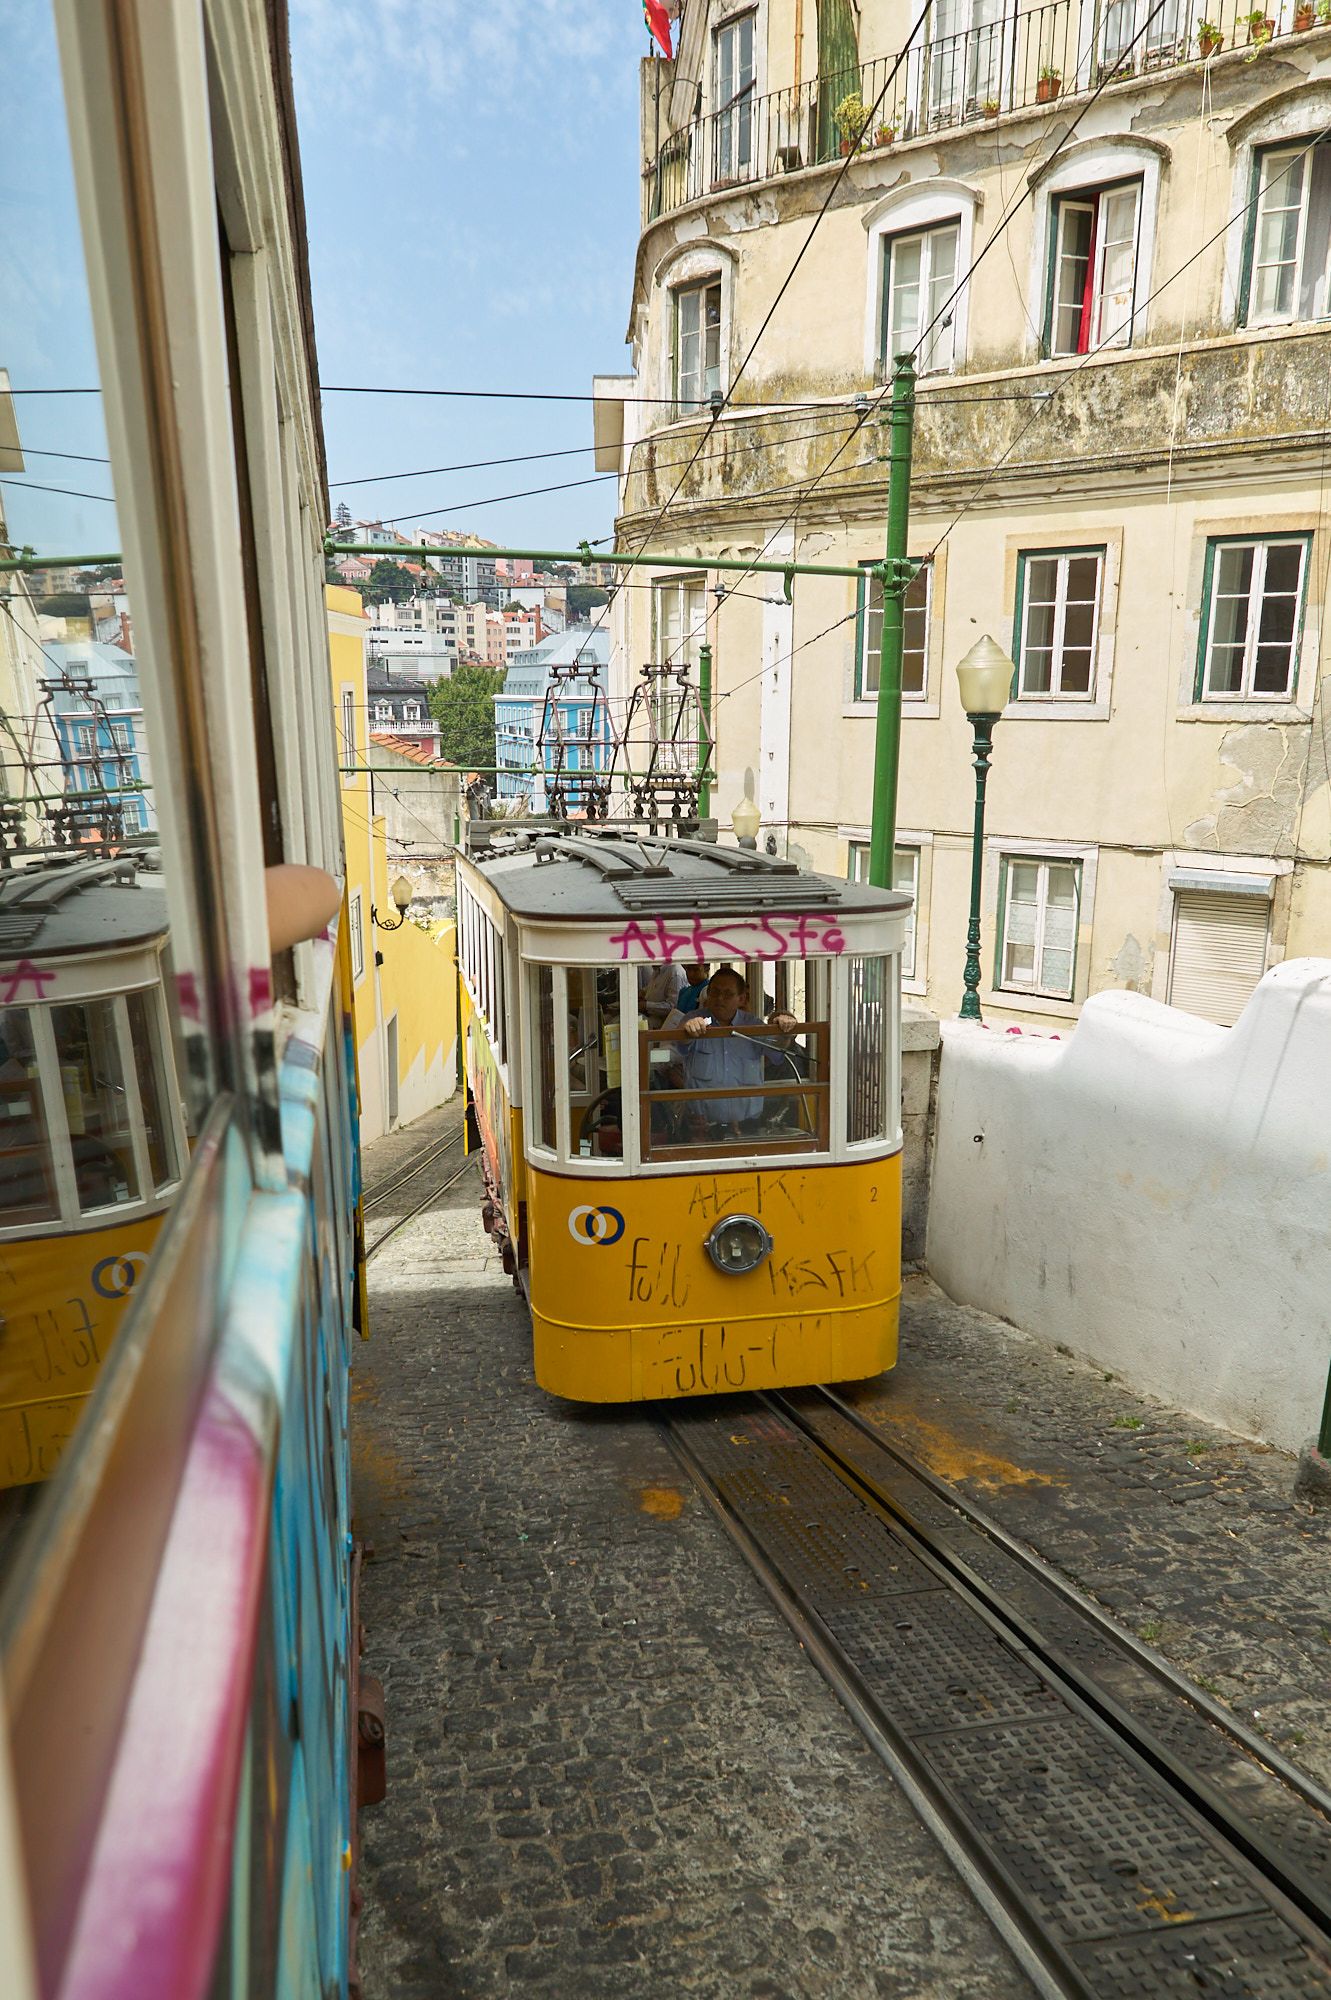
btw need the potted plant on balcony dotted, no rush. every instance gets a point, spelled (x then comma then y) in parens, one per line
(849, 119)
(1304, 16)
(1260, 26)
(991, 106)
(885, 135)
(1323, 13)
(1047, 85)
(1210, 41)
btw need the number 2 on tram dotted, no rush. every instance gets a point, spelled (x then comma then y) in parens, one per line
(687, 1209)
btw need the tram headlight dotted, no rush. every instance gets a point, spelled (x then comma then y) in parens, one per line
(738, 1243)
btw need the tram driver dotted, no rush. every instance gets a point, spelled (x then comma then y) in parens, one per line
(708, 1062)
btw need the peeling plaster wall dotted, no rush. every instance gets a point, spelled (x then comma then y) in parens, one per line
(1200, 429)
(1155, 1194)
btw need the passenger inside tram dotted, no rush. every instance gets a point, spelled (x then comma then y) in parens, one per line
(723, 1042)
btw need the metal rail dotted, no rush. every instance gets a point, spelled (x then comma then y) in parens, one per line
(1124, 1835)
(387, 1189)
(424, 1202)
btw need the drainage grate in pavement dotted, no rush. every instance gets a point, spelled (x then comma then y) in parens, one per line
(1243, 1958)
(1113, 1877)
(1282, 1822)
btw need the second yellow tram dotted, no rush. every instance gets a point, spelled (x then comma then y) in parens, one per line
(683, 1223)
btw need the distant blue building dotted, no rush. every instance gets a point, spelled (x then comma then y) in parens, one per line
(542, 687)
(97, 712)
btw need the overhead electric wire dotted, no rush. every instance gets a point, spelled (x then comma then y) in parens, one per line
(835, 183)
(1056, 388)
(490, 500)
(70, 492)
(1027, 189)
(41, 451)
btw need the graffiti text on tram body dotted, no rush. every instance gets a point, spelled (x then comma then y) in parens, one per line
(699, 940)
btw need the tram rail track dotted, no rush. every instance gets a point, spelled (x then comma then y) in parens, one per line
(385, 1190)
(1126, 1836)
(400, 1222)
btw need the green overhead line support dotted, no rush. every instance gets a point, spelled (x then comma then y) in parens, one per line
(705, 771)
(26, 559)
(587, 557)
(894, 573)
(897, 574)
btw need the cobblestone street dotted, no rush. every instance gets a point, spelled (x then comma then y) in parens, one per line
(611, 1768)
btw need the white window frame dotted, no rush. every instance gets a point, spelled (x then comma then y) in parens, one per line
(1105, 331)
(865, 698)
(1245, 693)
(730, 117)
(1030, 1000)
(356, 934)
(1091, 167)
(1005, 982)
(909, 211)
(683, 403)
(1056, 692)
(1319, 303)
(940, 355)
(920, 842)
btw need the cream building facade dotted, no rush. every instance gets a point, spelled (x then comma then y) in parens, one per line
(1121, 448)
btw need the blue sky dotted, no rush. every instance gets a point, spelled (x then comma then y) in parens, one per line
(471, 182)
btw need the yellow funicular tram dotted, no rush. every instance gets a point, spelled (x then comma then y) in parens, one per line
(92, 1139)
(697, 1190)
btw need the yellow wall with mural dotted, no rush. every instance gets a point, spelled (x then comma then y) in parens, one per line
(405, 1007)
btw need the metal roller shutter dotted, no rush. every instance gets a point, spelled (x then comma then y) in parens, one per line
(1219, 953)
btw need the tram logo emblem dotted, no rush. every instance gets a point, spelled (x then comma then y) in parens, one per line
(115, 1277)
(595, 1225)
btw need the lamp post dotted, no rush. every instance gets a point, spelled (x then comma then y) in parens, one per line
(745, 819)
(985, 679)
(402, 893)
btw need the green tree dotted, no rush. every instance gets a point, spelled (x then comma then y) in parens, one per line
(388, 583)
(464, 707)
(583, 597)
(64, 604)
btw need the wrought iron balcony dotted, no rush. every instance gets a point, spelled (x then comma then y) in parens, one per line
(1029, 57)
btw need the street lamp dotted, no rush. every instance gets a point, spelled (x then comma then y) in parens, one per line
(402, 893)
(985, 679)
(745, 819)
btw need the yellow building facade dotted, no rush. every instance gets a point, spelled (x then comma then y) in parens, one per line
(1106, 243)
(404, 975)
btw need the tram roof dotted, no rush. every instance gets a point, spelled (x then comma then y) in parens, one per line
(578, 877)
(80, 906)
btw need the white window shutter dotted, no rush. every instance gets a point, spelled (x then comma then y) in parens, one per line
(1219, 953)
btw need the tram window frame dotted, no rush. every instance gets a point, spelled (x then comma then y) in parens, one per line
(858, 1087)
(104, 1031)
(31, 1083)
(153, 1058)
(816, 989)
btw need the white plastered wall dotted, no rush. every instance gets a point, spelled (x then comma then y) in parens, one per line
(1153, 1193)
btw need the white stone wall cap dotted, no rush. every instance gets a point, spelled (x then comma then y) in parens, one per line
(919, 1029)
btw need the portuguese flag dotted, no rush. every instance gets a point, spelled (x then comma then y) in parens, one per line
(658, 25)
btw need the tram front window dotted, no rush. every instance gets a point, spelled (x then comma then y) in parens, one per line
(27, 1177)
(726, 1079)
(92, 1083)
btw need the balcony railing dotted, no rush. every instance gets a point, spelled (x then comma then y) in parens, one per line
(1028, 57)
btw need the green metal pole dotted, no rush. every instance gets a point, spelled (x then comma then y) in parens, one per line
(705, 747)
(896, 580)
(983, 727)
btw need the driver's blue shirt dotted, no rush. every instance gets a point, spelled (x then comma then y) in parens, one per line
(711, 1061)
